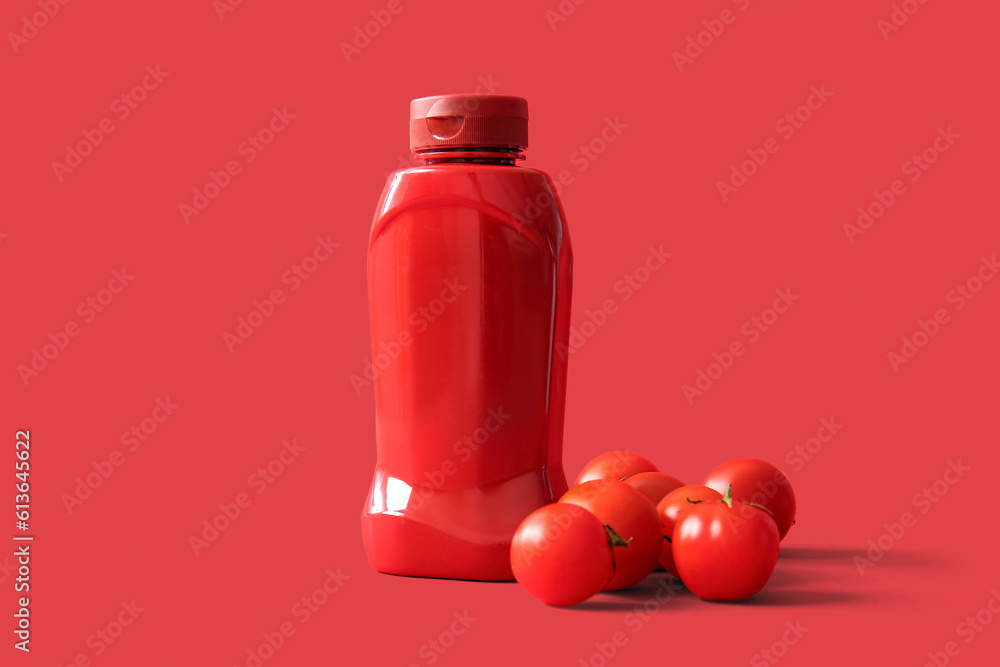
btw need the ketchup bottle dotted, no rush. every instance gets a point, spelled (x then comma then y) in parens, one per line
(469, 287)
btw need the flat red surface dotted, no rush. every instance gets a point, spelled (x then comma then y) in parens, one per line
(670, 135)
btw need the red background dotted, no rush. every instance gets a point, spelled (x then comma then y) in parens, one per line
(162, 336)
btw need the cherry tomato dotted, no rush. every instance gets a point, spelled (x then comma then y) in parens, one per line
(653, 485)
(561, 554)
(633, 517)
(722, 553)
(758, 482)
(615, 466)
(670, 507)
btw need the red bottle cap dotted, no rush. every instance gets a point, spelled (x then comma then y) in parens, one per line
(484, 121)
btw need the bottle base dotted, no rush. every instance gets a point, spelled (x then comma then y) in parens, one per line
(400, 546)
(448, 534)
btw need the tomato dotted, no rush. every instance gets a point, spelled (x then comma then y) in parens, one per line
(561, 554)
(670, 507)
(723, 553)
(653, 485)
(759, 482)
(615, 465)
(633, 517)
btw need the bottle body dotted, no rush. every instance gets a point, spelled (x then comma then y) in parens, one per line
(470, 283)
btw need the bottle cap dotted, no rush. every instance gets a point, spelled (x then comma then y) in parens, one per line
(474, 121)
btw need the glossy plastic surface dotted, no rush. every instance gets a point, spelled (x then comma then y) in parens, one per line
(469, 295)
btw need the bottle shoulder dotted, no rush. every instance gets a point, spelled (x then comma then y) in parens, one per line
(465, 180)
(519, 197)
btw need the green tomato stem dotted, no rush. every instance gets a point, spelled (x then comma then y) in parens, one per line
(728, 498)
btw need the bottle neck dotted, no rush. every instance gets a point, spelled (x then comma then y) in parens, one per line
(469, 154)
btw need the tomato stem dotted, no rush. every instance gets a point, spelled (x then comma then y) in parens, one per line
(759, 506)
(728, 498)
(614, 539)
(693, 502)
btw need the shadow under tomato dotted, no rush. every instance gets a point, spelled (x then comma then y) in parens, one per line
(660, 580)
(791, 576)
(893, 557)
(661, 588)
(804, 576)
(819, 553)
(796, 597)
(605, 602)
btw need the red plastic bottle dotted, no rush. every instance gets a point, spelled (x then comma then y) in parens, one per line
(469, 280)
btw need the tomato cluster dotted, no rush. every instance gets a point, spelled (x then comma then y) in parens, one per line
(623, 517)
